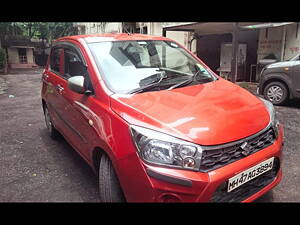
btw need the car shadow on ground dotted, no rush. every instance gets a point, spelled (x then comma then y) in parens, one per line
(74, 156)
(293, 103)
(268, 197)
(67, 160)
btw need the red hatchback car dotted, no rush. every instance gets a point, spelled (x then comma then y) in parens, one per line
(156, 124)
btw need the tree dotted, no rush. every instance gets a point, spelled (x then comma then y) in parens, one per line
(40, 30)
(31, 29)
(51, 31)
(47, 32)
(10, 28)
(3, 62)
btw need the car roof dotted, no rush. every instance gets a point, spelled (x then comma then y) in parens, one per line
(91, 38)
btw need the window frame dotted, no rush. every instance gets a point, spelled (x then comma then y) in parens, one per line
(22, 57)
(72, 47)
(51, 55)
(67, 75)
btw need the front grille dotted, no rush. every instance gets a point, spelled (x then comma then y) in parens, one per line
(218, 156)
(246, 190)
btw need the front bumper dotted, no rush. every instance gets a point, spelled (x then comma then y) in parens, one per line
(146, 183)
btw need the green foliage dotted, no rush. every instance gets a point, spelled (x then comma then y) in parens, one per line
(2, 58)
(40, 30)
(52, 31)
(9, 28)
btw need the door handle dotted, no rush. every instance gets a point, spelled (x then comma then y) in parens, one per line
(59, 88)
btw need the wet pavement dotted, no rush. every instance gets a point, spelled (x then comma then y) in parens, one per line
(35, 168)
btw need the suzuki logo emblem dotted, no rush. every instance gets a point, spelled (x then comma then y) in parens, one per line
(244, 147)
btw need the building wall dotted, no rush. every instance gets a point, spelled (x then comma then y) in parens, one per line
(292, 46)
(13, 56)
(270, 42)
(178, 36)
(182, 37)
(97, 28)
(152, 28)
(273, 42)
(30, 58)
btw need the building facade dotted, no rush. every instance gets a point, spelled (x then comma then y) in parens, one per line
(150, 28)
(20, 51)
(20, 57)
(278, 41)
(283, 42)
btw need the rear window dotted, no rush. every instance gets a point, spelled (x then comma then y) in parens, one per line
(55, 60)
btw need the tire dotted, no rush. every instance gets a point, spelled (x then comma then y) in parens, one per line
(53, 133)
(109, 186)
(276, 92)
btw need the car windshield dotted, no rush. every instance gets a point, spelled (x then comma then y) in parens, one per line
(135, 66)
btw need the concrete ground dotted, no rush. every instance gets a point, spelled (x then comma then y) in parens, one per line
(35, 168)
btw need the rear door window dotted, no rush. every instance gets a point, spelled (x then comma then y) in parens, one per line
(56, 61)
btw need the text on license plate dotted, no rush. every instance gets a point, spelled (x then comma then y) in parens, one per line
(249, 174)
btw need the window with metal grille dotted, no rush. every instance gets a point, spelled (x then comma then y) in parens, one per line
(22, 55)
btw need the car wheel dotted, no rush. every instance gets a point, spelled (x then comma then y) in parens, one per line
(51, 129)
(109, 186)
(276, 92)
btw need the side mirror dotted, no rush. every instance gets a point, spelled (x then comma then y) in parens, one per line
(76, 84)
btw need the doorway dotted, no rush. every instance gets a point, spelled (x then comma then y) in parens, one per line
(22, 55)
(209, 50)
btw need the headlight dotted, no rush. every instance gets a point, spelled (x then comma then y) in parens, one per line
(273, 117)
(162, 149)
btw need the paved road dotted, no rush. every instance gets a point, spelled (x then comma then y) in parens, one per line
(34, 168)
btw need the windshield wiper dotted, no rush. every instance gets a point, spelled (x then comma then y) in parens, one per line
(188, 81)
(163, 76)
(155, 84)
(185, 82)
(151, 79)
(174, 71)
(149, 86)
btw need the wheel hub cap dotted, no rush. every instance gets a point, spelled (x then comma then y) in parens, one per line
(275, 93)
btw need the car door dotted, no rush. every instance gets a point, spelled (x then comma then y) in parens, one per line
(77, 114)
(55, 88)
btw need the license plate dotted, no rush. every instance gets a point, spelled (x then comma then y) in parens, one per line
(249, 174)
